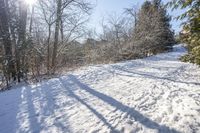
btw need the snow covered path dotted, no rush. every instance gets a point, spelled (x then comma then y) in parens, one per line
(158, 94)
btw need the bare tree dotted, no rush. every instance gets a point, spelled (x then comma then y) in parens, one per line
(21, 44)
(5, 34)
(38, 35)
(55, 46)
(46, 7)
(67, 11)
(133, 12)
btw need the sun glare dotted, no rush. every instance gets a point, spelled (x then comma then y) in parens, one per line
(30, 2)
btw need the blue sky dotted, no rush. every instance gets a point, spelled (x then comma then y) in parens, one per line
(104, 8)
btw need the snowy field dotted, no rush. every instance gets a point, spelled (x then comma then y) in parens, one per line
(158, 94)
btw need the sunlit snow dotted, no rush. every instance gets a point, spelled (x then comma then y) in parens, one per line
(155, 94)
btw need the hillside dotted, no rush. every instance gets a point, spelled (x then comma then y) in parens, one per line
(155, 94)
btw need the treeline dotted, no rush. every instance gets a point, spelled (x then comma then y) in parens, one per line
(44, 39)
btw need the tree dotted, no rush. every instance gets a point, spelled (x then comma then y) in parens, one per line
(34, 39)
(57, 27)
(76, 7)
(133, 12)
(7, 45)
(191, 27)
(153, 33)
(21, 44)
(49, 17)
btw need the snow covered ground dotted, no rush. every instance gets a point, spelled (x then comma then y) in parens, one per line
(158, 94)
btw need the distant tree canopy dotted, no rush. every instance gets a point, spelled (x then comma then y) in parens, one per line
(191, 29)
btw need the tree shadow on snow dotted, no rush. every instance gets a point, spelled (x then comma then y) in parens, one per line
(71, 93)
(132, 74)
(36, 106)
(46, 98)
(9, 108)
(137, 116)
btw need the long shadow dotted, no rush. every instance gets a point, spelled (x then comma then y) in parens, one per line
(43, 95)
(100, 116)
(149, 76)
(35, 125)
(48, 106)
(52, 93)
(137, 116)
(9, 108)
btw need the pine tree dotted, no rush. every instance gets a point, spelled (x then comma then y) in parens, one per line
(153, 32)
(165, 33)
(191, 29)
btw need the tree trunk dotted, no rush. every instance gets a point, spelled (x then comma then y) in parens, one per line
(48, 49)
(21, 45)
(61, 31)
(4, 25)
(31, 21)
(55, 46)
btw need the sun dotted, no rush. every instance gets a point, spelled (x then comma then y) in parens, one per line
(30, 2)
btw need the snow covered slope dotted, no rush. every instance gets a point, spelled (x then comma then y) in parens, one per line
(156, 94)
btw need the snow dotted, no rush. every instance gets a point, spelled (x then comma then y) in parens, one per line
(158, 94)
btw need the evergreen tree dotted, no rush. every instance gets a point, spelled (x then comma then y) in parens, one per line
(165, 33)
(153, 31)
(191, 29)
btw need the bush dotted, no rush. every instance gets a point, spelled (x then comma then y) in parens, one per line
(187, 58)
(196, 54)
